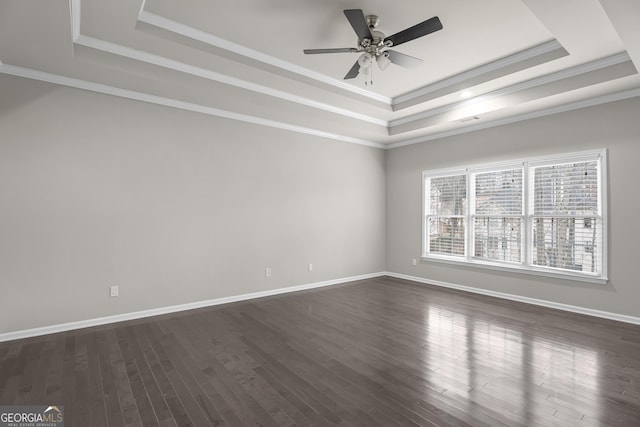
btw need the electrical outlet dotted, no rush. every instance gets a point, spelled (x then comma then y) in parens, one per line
(414, 261)
(267, 272)
(310, 267)
(114, 291)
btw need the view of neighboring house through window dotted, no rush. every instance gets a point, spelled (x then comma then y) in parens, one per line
(542, 215)
(499, 215)
(446, 218)
(566, 216)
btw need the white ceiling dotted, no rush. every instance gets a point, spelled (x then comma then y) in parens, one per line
(243, 60)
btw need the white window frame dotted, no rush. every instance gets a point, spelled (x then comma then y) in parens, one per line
(425, 215)
(526, 266)
(473, 214)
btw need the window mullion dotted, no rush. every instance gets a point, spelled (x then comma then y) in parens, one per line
(528, 238)
(426, 209)
(469, 212)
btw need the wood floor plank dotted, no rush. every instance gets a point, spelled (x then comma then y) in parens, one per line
(312, 369)
(11, 374)
(81, 383)
(96, 403)
(30, 370)
(39, 386)
(54, 378)
(67, 388)
(158, 362)
(125, 394)
(109, 390)
(210, 391)
(199, 408)
(377, 352)
(138, 390)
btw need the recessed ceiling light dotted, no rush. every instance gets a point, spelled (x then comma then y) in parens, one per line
(468, 119)
(466, 94)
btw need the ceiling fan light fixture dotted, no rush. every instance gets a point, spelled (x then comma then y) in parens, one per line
(383, 61)
(364, 60)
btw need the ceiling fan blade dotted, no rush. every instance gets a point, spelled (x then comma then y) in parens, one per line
(403, 60)
(353, 72)
(359, 23)
(334, 50)
(422, 29)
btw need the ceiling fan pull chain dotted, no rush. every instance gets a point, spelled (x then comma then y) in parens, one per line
(371, 77)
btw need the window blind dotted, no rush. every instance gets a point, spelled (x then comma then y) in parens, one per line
(566, 221)
(498, 215)
(446, 215)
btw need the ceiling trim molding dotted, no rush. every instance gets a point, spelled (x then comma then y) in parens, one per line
(149, 58)
(174, 103)
(210, 39)
(216, 112)
(577, 70)
(589, 102)
(496, 65)
(116, 49)
(518, 87)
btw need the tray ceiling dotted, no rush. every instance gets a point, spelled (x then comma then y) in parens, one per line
(493, 62)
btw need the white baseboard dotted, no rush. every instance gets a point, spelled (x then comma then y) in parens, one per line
(28, 333)
(544, 303)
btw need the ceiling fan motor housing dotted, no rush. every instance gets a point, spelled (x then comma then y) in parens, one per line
(373, 46)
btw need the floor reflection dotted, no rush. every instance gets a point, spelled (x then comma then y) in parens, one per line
(568, 375)
(521, 372)
(447, 355)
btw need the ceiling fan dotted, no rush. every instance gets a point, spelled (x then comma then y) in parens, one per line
(374, 45)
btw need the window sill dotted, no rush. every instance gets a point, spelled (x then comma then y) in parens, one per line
(517, 269)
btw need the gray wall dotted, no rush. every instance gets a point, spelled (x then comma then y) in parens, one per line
(615, 126)
(172, 206)
(177, 207)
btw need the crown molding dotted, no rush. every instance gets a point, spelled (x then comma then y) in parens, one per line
(496, 65)
(174, 103)
(182, 105)
(116, 49)
(138, 55)
(577, 70)
(589, 102)
(212, 40)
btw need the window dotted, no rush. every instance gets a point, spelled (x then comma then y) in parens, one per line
(542, 215)
(498, 215)
(448, 196)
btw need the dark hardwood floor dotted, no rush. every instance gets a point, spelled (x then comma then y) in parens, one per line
(379, 352)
